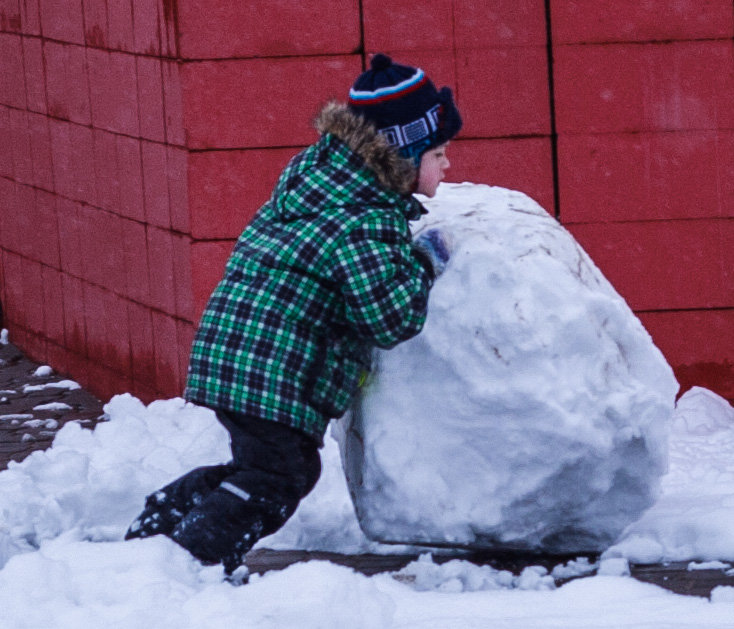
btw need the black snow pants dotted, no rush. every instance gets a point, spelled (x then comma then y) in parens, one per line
(218, 512)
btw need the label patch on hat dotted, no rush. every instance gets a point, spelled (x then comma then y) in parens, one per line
(415, 131)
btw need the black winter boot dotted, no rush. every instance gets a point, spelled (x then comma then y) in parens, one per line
(165, 508)
(221, 530)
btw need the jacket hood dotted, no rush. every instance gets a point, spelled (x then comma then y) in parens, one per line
(393, 171)
(351, 163)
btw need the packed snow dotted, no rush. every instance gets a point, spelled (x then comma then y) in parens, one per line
(64, 511)
(527, 349)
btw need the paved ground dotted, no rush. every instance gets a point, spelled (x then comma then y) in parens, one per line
(34, 407)
(32, 410)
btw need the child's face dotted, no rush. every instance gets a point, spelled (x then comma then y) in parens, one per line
(434, 165)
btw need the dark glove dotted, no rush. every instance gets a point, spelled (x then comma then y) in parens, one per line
(435, 246)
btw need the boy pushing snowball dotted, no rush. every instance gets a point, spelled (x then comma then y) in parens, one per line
(325, 272)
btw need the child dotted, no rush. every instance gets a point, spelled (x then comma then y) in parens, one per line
(325, 272)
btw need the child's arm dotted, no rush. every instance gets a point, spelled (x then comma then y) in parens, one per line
(384, 284)
(433, 246)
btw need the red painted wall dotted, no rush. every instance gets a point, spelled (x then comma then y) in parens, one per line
(138, 138)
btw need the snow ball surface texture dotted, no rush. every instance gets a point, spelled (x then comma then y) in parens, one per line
(532, 411)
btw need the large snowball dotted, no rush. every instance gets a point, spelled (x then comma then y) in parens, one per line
(531, 412)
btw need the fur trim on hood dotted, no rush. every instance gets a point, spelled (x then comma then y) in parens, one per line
(393, 171)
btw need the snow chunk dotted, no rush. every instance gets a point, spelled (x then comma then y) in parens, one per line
(533, 410)
(42, 371)
(614, 567)
(463, 576)
(16, 417)
(692, 519)
(61, 384)
(37, 423)
(52, 406)
(4, 337)
(708, 565)
(701, 412)
(575, 568)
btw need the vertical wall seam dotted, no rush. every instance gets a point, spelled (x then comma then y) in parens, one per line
(552, 105)
(454, 51)
(362, 46)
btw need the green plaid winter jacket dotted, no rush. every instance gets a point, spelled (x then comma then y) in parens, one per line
(325, 271)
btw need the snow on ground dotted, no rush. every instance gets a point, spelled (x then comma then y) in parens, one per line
(64, 511)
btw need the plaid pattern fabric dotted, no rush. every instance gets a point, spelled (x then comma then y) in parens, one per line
(324, 272)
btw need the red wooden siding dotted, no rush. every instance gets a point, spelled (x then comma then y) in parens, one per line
(139, 136)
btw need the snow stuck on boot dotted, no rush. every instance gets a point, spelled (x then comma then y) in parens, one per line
(533, 410)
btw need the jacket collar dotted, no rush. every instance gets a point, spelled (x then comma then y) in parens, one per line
(393, 171)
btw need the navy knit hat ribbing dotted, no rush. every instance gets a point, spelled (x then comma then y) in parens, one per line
(405, 107)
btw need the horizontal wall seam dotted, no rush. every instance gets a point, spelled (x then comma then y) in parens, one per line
(645, 42)
(674, 310)
(684, 219)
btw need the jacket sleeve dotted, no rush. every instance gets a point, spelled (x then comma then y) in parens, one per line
(383, 282)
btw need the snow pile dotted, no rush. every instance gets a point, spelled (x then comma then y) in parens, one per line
(692, 519)
(532, 412)
(462, 576)
(154, 583)
(90, 485)
(93, 484)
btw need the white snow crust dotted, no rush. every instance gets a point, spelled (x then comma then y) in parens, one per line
(533, 410)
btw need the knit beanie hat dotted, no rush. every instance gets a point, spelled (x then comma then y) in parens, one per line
(405, 107)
